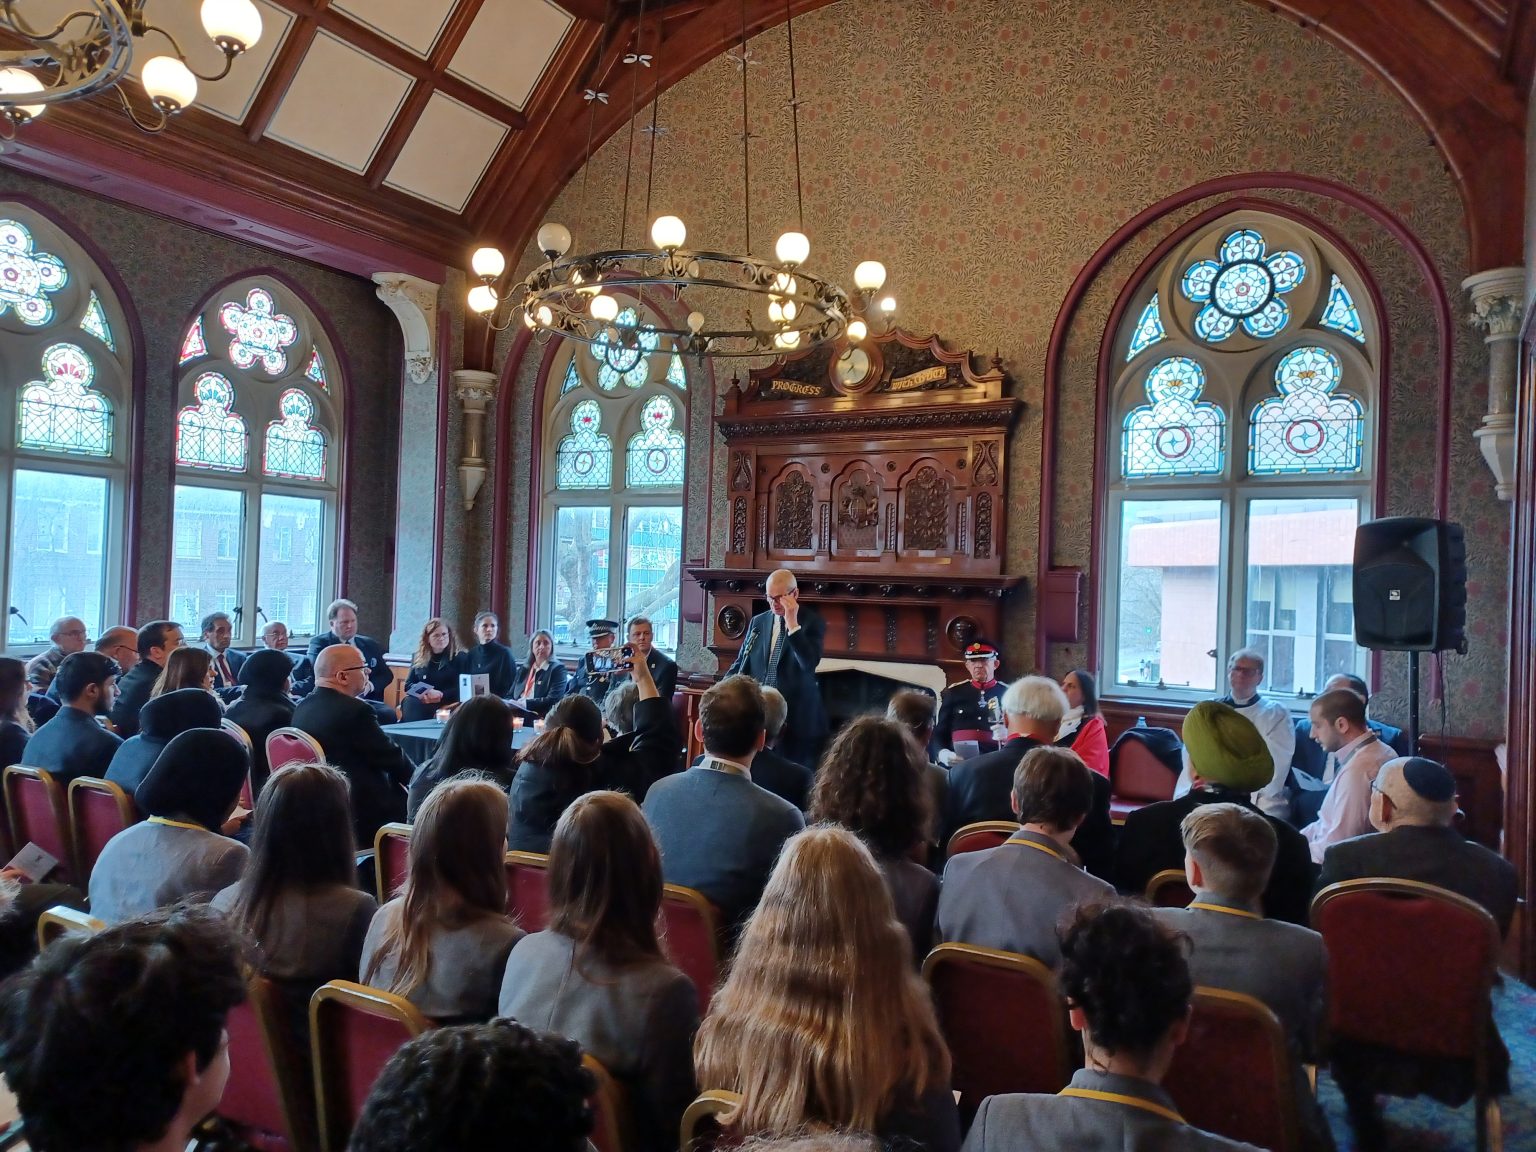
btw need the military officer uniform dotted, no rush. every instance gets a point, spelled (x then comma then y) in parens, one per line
(969, 705)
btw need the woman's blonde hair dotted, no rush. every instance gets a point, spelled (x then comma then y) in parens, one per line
(457, 875)
(424, 651)
(184, 668)
(822, 1020)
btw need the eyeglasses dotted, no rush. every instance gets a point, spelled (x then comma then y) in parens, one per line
(74, 632)
(354, 668)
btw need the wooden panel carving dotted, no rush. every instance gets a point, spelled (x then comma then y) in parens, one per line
(925, 523)
(792, 514)
(857, 515)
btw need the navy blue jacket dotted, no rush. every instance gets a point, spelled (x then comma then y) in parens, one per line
(71, 745)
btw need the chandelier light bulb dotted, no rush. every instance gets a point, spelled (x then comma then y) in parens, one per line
(668, 233)
(792, 248)
(888, 304)
(869, 277)
(529, 322)
(554, 240)
(20, 82)
(785, 284)
(857, 330)
(604, 307)
(482, 298)
(789, 339)
(488, 263)
(234, 25)
(169, 83)
(775, 311)
(545, 317)
(695, 322)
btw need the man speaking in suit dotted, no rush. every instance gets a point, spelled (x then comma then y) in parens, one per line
(781, 650)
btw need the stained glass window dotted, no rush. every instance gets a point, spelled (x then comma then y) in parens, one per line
(585, 457)
(27, 277)
(314, 371)
(195, 344)
(656, 452)
(627, 359)
(95, 322)
(1242, 288)
(1175, 434)
(209, 434)
(1340, 314)
(1306, 428)
(259, 332)
(1149, 329)
(294, 447)
(677, 374)
(61, 412)
(572, 379)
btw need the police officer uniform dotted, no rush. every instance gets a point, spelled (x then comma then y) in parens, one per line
(969, 705)
(593, 680)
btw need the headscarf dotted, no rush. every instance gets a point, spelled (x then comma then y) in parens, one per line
(198, 777)
(266, 670)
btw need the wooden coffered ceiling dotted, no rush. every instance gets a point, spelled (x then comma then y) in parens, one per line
(396, 134)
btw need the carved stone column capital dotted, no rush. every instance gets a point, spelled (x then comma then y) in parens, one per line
(414, 303)
(475, 391)
(1497, 297)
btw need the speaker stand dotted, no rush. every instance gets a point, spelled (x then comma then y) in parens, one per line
(1413, 703)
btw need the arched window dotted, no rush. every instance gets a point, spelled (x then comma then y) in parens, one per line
(1240, 463)
(614, 455)
(66, 379)
(257, 461)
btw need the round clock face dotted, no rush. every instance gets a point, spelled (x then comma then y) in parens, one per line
(853, 367)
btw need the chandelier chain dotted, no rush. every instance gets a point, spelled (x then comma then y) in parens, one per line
(634, 107)
(794, 115)
(746, 137)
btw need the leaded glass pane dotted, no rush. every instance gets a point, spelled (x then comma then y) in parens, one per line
(572, 379)
(1267, 320)
(653, 559)
(58, 564)
(290, 563)
(259, 332)
(208, 434)
(1170, 557)
(207, 561)
(1244, 286)
(656, 452)
(627, 359)
(1174, 434)
(95, 322)
(61, 412)
(314, 371)
(1306, 428)
(294, 448)
(195, 344)
(1149, 329)
(581, 570)
(1340, 314)
(676, 373)
(584, 459)
(27, 277)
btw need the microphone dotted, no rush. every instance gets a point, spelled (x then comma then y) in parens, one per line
(746, 652)
(16, 612)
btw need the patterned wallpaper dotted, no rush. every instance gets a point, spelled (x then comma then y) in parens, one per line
(984, 149)
(168, 269)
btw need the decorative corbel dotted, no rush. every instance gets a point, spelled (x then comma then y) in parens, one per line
(1497, 297)
(414, 303)
(476, 391)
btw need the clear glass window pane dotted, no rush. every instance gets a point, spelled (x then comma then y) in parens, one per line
(653, 558)
(1300, 610)
(57, 567)
(288, 569)
(581, 571)
(1170, 556)
(205, 569)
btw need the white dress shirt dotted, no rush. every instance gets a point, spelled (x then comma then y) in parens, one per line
(1346, 810)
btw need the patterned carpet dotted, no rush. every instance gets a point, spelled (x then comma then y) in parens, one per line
(1422, 1125)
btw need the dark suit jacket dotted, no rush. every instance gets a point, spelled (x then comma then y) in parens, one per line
(1439, 856)
(442, 674)
(550, 685)
(260, 714)
(806, 729)
(980, 788)
(234, 659)
(13, 744)
(353, 741)
(133, 691)
(70, 745)
(41, 707)
(495, 662)
(786, 779)
(303, 674)
(379, 675)
(1311, 759)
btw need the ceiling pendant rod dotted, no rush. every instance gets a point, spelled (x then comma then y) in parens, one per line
(634, 107)
(746, 137)
(650, 166)
(794, 114)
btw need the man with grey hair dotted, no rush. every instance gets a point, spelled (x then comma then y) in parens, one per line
(980, 788)
(619, 710)
(69, 636)
(1245, 672)
(781, 649)
(218, 633)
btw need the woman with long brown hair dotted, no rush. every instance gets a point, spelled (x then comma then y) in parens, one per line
(185, 668)
(822, 1021)
(15, 722)
(443, 942)
(597, 974)
(433, 680)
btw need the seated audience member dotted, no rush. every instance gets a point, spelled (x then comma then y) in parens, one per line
(872, 782)
(785, 778)
(42, 708)
(163, 719)
(342, 617)
(1272, 720)
(180, 852)
(1011, 897)
(974, 704)
(639, 637)
(477, 738)
(1355, 756)
(16, 725)
(73, 743)
(1128, 990)
(490, 658)
(597, 974)
(543, 681)
(264, 705)
(914, 709)
(348, 730)
(275, 637)
(529, 1089)
(116, 1041)
(298, 900)
(217, 634)
(1082, 727)
(1231, 762)
(156, 641)
(433, 680)
(185, 668)
(121, 643)
(22, 902)
(1229, 853)
(68, 636)
(619, 710)
(822, 1021)
(1413, 804)
(717, 831)
(979, 787)
(598, 670)
(1309, 763)
(570, 758)
(443, 942)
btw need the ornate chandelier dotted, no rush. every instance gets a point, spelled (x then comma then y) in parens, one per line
(91, 49)
(737, 304)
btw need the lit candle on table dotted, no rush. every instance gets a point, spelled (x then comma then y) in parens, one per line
(442, 715)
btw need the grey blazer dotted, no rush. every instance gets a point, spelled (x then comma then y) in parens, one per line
(638, 1020)
(152, 865)
(915, 892)
(464, 973)
(314, 935)
(1011, 897)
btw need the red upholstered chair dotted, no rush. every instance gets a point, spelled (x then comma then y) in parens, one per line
(353, 1031)
(247, 793)
(610, 1108)
(528, 889)
(1136, 778)
(1232, 1076)
(1004, 1020)
(270, 1095)
(1169, 889)
(55, 922)
(1375, 930)
(700, 1130)
(98, 811)
(691, 940)
(287, 746)
(392, 859)
(981, 835)
(39, 814)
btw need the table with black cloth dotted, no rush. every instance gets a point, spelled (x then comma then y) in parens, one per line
(419, 738)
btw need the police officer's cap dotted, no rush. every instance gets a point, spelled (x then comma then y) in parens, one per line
(596, 628)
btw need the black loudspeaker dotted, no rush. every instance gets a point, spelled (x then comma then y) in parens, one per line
(1411, 585)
